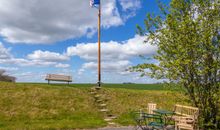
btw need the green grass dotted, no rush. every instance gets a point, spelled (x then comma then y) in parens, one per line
(125, 86)
(25, 106)
(123, 102)
(136, 86)
(58, 106)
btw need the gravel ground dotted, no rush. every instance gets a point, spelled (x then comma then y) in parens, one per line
(129, 128)
(113, 128)
(118, 128)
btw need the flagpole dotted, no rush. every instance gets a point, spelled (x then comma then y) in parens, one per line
(99, 45)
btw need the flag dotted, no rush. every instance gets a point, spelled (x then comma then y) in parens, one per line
(94, 3)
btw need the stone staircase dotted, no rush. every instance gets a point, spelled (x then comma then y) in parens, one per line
(100, 102)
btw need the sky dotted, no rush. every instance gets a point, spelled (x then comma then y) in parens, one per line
(39, 37)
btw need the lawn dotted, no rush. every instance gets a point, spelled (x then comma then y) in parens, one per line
(42, 106)
(125, 86)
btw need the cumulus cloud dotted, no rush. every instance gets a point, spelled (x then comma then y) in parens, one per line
(115, 56)
(109, 10)
(113, 50)
(109, 67)
(60, 65)
(4, 53)
(47, 56)
(25, 62)
(8, 69)
(130, 6)
(48, 21)
(37, 58)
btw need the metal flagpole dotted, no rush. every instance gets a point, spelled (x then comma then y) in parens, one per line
(99, 45)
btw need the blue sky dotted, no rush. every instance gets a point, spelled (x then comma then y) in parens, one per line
(40, 37)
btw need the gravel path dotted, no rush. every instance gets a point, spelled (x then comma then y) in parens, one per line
(129, 128)
(118, 128)
(112, 128)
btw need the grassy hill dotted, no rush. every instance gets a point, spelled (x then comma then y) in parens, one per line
(41, 106)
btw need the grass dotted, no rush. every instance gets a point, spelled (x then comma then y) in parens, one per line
(42, 106)
(125, 86)
(24, 106)
(123, 102)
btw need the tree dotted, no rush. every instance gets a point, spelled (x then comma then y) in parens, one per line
(6, 78)
(187, 36)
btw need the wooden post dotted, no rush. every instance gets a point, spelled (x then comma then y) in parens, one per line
(99, 45)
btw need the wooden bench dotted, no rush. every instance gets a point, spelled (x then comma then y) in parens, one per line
(56, 77)
(186, 117)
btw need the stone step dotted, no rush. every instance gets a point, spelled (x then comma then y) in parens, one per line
(99, 100)
(107, 119)
(97, 96)
(111, 123)
(93, 92)
(104, 110)
(114, 117)
(93, 89)
(103, 105)
(96, 88)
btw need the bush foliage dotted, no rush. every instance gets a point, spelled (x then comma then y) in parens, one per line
(6, 78)
(187, 36)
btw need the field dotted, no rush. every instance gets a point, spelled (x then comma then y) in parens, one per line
(159, 87)
(58, 106)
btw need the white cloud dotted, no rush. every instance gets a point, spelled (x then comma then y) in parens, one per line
(25, 62)
(37, 58)
(115, 56)
(110, 11)
(36, 63)
(47, 21)
(60, 65)
(130, 6)
(136, 46)
(47, 56)
(113, 50)
(4, 53)
(116, 66)
(9, 69)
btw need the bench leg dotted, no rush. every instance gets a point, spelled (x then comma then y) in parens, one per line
(48, 81)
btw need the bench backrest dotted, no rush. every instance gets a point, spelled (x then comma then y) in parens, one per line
(56, 77)
(186, 111)
(151, 107)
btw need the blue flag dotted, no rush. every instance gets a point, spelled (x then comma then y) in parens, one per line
(94, 3)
